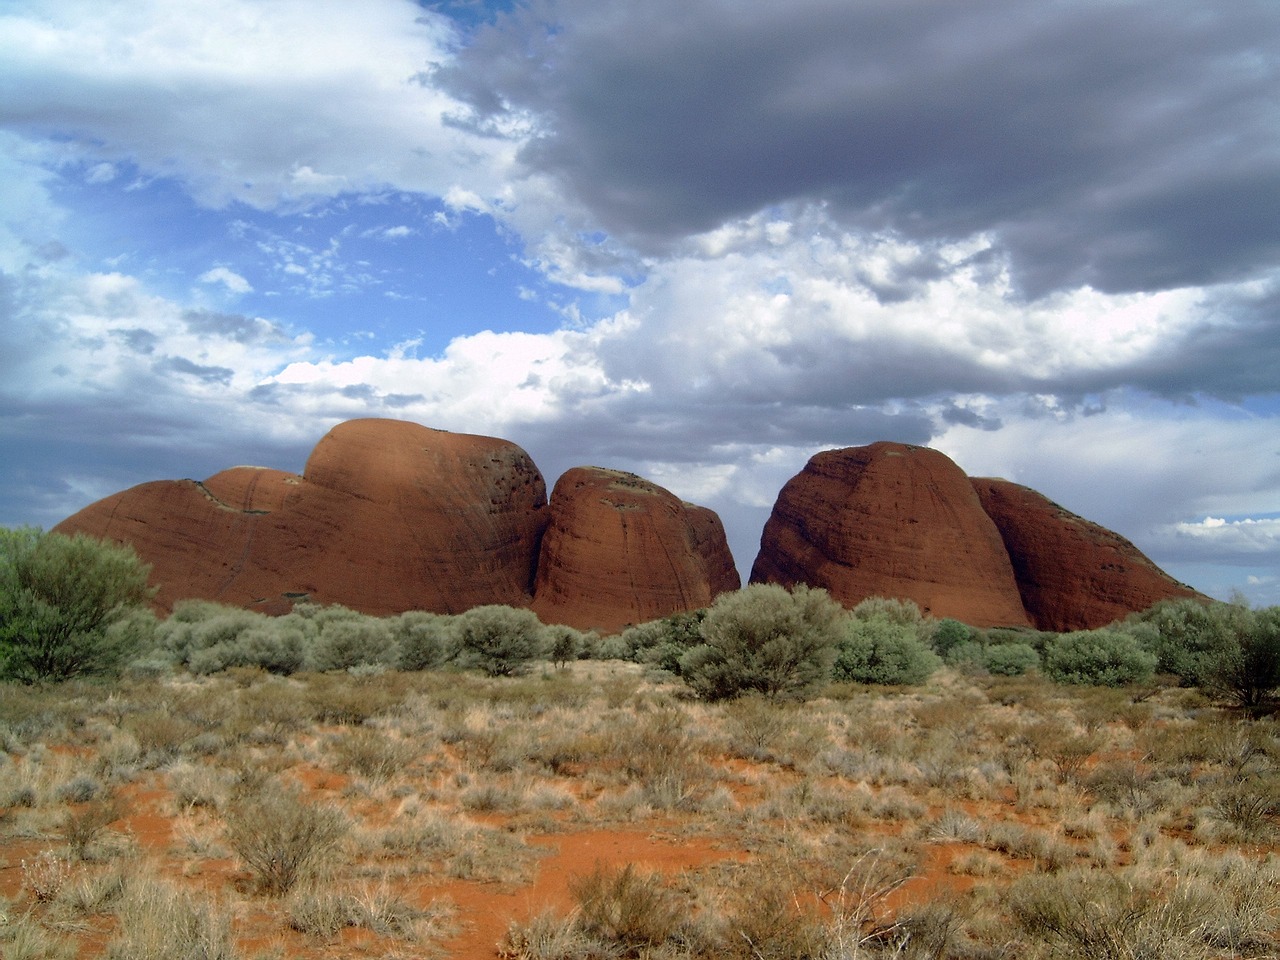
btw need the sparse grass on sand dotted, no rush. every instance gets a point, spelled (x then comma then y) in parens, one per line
(241, 815)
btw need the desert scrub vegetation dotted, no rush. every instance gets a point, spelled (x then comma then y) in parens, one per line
(963, 817)
(69, 606)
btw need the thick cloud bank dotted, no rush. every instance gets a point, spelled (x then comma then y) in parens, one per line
(696, 242)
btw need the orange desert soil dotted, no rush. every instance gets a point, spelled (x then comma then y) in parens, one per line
(484, 910)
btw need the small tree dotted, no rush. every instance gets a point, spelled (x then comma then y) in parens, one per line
(949, 634)
(422, 640)
(499, 640)
(880, 650)
(1248, 671)
(764, 639)
(1104, 658)
(59, 596)
(1010, 659)
(1190, 638)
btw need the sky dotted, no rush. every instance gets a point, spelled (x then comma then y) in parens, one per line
(693, 239)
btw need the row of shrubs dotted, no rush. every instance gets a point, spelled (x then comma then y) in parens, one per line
(72, 606)
(763, 639)
(1226, 648)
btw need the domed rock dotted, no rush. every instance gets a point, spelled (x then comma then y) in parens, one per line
(891, 520)
(1072, 573)
(388, 516)
(713, 546)
(621, 550)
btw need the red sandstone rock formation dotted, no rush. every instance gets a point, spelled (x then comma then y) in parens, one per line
(1073, 574)
(622, 550)
(388, 516)
(895, 521)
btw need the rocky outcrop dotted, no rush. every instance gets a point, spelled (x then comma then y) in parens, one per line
(1072, 573)
(620, 550)
(390, 516)
(900, 521)
(891, 520)
(387, 516)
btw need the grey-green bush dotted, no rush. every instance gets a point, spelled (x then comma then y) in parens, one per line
(1248, 672)
(59, 596)
(1103, 658)
(764, 639)
(352, 640)
(661, 643)
(880, 650)
(498, 640)
(423, 640)
(1010, 659)
(1189, 637)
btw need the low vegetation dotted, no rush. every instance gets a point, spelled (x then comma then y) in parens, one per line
(776, 777)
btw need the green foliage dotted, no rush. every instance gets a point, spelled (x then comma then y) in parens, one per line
(1105, 658)
(423, 640)
(1010, 659)
(661, 643)
(1248, 671)
(764, 639)
(969, 655)
(348, 639)
(59, 598)
(903, 613)
(1189, 637)
(949, 634)
(499, 640)
(564, 644)
(879, 649)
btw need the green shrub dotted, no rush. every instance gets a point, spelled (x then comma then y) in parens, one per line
(1247, 672)
(881, 650)
(1010, 659)
(498, 640)
(903, 612)
(1105, 658)
(59, 597)
(949, 634)
(564, 644)
(352, 640)
(969, 656)
(1189, 637)
(764, 639)
(201, 634)
(661, 643)
(423, 640)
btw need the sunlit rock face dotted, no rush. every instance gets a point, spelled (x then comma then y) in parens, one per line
(891, 520)
(391, 516)
(387, 516)
(900, 521)
(621, 550)
(1072, 573)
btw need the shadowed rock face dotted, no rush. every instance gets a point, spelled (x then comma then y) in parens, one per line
(388, 516)
(622, 550)
(891, 520)
(1073, 574)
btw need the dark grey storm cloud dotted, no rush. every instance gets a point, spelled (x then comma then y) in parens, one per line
(1127, 145)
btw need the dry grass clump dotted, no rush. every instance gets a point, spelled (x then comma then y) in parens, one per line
(282, 838)
(321, 912)
(985, 817)
(158, 921)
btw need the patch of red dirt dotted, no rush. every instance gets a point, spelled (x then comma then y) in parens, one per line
(487, 912)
